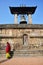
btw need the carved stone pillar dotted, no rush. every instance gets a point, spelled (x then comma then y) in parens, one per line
(16, 19)
(29, 19)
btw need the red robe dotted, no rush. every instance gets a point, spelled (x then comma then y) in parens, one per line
(8, 48)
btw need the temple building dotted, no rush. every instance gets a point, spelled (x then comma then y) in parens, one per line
(25, 34)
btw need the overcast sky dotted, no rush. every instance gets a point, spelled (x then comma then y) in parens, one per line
(7, 18)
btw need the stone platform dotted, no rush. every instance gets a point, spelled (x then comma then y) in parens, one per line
(25, 51)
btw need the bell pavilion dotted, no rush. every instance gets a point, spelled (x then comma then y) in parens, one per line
(24, 37)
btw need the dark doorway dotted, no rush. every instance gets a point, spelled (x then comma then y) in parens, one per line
(25, 39)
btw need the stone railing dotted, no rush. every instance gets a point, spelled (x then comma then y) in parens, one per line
(20, 46)
(36, 46)
(30, 46)
(2, 48)
(16, 46)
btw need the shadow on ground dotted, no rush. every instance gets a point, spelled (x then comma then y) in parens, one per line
(3, 60)
(11, 53)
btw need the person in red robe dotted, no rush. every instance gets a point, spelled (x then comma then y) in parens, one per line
(8, 49)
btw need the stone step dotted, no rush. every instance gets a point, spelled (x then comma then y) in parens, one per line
(28, 55)
(2, 52)
(2, 55)
(25, 52)
(28, 52)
